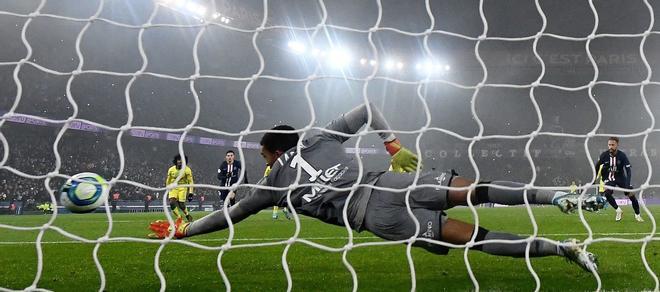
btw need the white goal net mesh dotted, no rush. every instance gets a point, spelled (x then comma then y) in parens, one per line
(204, 81)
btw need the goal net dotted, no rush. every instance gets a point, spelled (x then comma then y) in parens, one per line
(526, 91)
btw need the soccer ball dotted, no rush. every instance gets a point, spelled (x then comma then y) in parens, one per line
(84, 192)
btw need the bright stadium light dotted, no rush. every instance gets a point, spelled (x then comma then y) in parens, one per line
(399, 65)
(425, 66)
(195, 8)
(297, 47)
(339, 57)
(447, 67)
(372, 62)
(391, 64)
(215, 15)
(363, 61)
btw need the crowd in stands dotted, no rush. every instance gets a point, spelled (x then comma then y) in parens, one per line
(145, 161)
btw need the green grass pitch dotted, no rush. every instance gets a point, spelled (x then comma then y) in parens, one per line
(129, 266)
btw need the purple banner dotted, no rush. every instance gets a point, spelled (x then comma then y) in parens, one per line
(174, 137)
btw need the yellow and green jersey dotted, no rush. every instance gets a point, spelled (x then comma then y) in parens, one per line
(186, 179)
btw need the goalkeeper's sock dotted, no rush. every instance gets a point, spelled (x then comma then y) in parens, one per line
(538, 248)
(486, 194)
(275, 209)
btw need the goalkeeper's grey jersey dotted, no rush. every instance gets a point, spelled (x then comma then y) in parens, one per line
(323, 162)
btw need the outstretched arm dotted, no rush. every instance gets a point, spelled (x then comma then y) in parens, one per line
(352, 121)
(255, 201)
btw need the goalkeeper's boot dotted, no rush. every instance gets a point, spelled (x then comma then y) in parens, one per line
(638, 217)
(286, 213)
(574, 253)
(161, 229)
(594, 203)
(568, 203)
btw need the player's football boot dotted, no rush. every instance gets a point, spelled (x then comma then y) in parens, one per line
(568, 202)
(574, 253)
(161, 229)
(594, 203)
(638, 217)
(189, 218)
(619, 215)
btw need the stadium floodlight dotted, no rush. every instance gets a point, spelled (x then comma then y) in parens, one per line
(399, 65)
(297, 47)
(426, 66)
(216, 15)
(195, 8)
(390, 64)
(339, 57)
(372, 62)
(363, 61)
(447, 67)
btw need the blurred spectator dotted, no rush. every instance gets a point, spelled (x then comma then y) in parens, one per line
(114, 200)
(20, 203)
(12, 207)
(201, 202)
(147, 202)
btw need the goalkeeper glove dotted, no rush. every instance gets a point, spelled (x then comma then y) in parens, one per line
(161, 229)
(403, 160)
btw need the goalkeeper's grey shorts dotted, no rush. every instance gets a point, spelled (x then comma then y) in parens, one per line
(387, 215)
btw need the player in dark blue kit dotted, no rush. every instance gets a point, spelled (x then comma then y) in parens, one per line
(616, 172)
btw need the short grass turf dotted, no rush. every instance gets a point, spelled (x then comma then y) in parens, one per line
(68, 264)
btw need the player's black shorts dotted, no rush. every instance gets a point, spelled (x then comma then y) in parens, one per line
(387, 215)
(616, 183)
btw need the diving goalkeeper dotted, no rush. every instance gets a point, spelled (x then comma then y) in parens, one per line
(323, 162)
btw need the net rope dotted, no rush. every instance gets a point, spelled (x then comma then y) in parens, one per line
(322, 26)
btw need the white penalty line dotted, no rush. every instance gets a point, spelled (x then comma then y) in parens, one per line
(271, 239)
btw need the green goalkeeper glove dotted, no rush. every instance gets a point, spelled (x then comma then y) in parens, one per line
(403, 160)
